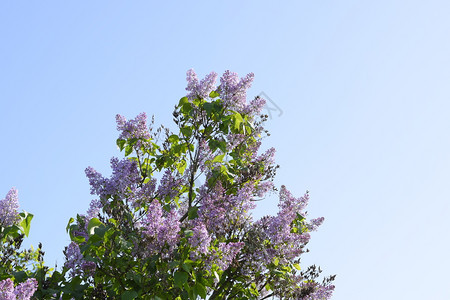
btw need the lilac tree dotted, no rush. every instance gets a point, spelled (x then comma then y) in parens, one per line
(174, 220)
(17, 264)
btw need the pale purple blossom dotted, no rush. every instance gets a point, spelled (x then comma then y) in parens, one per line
(169, 185)
(94, 209)
(125, 177)
(23, 291)
(319, 291)
(200, 89)
(200, 239)
(225, 254)
(134, 128)
(220, 212)
(233, 90)
(75, 261)
(8, 208)
(160, 229)
(255, 106)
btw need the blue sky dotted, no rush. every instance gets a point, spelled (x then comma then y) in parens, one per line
(361, 86)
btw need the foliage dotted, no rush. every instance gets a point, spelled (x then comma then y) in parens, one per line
(174, 219)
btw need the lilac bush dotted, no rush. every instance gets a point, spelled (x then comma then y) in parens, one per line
(8, 209)
(23, 291)
(174, 220)
(17, 266)
(191, 233)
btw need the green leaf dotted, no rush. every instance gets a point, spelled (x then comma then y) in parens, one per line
(181, 167)
(78, 239)
(180, 278)
(276, 260)
(71, 220)
(200, 290)
(129, 295)
(173, 264)
(208, 108)
(193, 213)
(187, 267)
(214, 94)
(223, 146)
(120, 143)
(183, 101)
(173, 138)
(237, 121)
(297, 266)
(218, 158)
(26, 222)
(186, 131)
(128, 150)
(93, 224)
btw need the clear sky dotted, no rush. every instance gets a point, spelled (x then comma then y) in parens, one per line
(362, 116)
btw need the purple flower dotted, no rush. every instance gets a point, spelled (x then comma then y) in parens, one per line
(234, 90)
(200, 89)
(319, 291)
(7, 290)
(74, 259)
(94, 208)
(124, 179)
(221, 212)
(200, 239)
(134, 128)
(8, 208)
(24, 291)
(160, 229)
(225, 255)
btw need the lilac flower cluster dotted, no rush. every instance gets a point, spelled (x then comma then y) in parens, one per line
(75, 261)
(8, 208)
(169, 185)
(234, 90)
(23, 291)
(94, 209)
(255, 107)
(225, 255)
(125, 177)
(200, 89)
(221, 212)
(320, 292)
(160, 229)
(283, 243)
(135, 128)
(200, 240)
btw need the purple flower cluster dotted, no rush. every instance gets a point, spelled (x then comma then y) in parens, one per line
(160, 229)
(125, 177)
(169, 185)
(200, 89)
(75, 261)
(8, 208)
(255, 107)
(320, 292)
(200, 240)
(23, 291)
(225, 255)
(221, 212)
(234, 90)
(94, 209)
(135, 128)
(284, 244)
